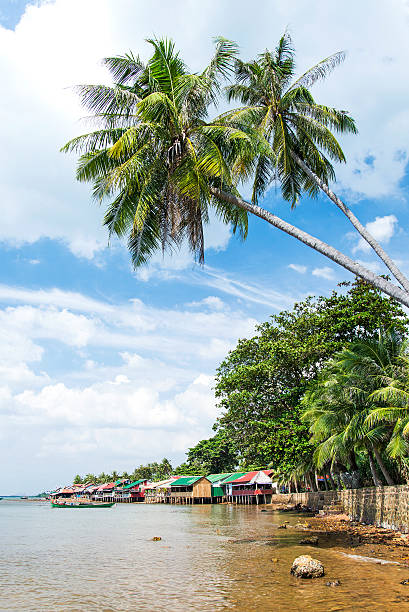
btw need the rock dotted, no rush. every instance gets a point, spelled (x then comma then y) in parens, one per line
(404, 581)
(156, 539)
(333, 583)
(307, 567)
(282, 527)
(309, 541)
(274, 560)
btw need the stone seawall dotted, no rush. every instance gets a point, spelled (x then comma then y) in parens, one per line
(381, 506)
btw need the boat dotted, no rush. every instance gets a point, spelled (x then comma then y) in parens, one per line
(79, 504)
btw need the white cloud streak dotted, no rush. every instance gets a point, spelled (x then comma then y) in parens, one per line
(324, 272)
(298, 268)
(382, 229)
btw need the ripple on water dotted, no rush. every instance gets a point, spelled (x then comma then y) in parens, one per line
(209, 558)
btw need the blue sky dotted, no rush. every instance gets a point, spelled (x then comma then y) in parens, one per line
(105, 368)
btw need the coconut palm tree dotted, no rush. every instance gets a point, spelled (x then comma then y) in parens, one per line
(337, 408)
(300, 130)
(162, 165)
(384, 364)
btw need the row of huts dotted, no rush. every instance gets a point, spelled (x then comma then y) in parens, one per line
(237, 487)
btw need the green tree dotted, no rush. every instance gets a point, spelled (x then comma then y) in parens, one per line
(165, 469)
(299, 130)
(213, 456)
(261, 382)
(77, 479)
(336, 409)
(162, 165)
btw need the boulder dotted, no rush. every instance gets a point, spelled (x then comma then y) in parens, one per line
(307, 567)
(309, 541)
(333, 583)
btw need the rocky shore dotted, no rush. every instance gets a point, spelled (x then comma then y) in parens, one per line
(356, 538)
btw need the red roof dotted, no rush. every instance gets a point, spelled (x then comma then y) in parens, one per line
(246, 478)
(109, 485)
(66, 491)
(250, 475)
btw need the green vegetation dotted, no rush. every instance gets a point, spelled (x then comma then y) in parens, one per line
(266, 384)
(151, 471)
(358, 409)
(321, 389)
(162, 164)
(212, 456)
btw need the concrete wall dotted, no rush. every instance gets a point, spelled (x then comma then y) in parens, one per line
(381, 506)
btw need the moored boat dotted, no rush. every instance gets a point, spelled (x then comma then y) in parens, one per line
(79, 504)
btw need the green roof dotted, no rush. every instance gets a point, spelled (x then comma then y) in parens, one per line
(185, 481)
(133, 484)
(217, 477)
(233, 477)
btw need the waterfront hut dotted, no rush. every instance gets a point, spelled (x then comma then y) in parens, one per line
(64, 493)
(191, 490)
(159, 492)
(105, 492)
(217, 491)
(135, 491)
(252, 487)
(226, 484)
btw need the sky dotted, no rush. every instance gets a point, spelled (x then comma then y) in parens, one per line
(103, 367)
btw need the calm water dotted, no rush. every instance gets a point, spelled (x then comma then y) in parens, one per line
(210, 558)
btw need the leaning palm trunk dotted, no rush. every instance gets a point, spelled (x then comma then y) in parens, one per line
(382, 466)
(382, 254)
(376, 480)
(318, 245)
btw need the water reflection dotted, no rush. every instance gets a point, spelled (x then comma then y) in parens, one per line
(209, 558)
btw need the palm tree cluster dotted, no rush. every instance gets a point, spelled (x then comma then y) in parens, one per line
(162, 163)
(358, 414)
(151, 471)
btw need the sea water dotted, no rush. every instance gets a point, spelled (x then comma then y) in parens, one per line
(209, 558)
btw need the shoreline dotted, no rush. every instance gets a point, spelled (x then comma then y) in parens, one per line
(354, 537)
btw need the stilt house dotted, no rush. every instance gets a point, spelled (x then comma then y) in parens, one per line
(191, 490)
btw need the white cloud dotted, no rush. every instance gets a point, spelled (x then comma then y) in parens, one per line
(80, 376)
(375, 266)
(37, 83)
(213, 302)
(298, 268)
(250, 292)
(382, 229)
(325, 272)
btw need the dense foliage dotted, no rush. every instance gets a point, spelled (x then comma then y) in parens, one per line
(151, 471)
(261, 382)
(358, 408)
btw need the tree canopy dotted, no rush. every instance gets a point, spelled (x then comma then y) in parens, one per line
(261, 382)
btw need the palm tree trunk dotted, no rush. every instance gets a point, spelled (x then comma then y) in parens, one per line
(318, 245)
(332, 481)
(376, 480)
(361, 229)
(381, 464)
